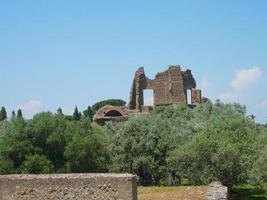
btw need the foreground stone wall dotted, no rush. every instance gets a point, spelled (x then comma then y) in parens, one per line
(217, 192)
(68, 187)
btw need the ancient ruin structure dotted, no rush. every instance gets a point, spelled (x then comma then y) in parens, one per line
(172, 86)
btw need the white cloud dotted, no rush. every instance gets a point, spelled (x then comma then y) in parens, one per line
(243, 78)
(31, 105)
(246, 77)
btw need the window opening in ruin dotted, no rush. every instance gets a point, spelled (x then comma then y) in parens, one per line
(113, 113)
(148, 97)
(189, 96)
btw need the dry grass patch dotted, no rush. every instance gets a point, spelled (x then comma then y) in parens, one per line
(172, 193)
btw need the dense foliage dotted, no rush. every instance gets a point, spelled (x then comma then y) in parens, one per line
(50, 143)
(213, 141)
(111, 102)
(209, 142)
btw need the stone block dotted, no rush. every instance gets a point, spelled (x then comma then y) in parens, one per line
(68, 187)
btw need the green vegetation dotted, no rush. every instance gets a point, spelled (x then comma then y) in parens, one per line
(3, 113)
(213, 141)
(248, 192)
(52, 144)
(111, 102)
(210, 142)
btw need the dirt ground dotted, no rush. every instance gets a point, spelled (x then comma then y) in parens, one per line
(172, 193)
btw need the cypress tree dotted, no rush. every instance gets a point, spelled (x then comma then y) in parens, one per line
(76, 115)
(19, 113)
(3, 114)
(60, 112)
(13, 114)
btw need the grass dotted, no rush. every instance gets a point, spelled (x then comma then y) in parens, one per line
(239, 192)
(172, 193)
(248, 192)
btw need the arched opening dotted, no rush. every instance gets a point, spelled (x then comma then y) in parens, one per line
(113, 113)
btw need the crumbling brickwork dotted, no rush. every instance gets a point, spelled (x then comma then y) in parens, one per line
(68, 187)
(169, 87)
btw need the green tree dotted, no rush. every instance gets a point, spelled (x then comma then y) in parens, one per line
(37, 164)
(88, 113)
(222, 149)
(141, 146)
(111, 102)
(258, 173)
(60, 112)
(13, 114)
(76, 114)
(19, 113)
(3, 114)
(50, 143)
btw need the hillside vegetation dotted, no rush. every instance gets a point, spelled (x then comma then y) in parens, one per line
(173, 144)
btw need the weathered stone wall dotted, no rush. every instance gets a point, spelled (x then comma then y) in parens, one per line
(217, 192)
(196, 96)
(68, 187)
(169, 87)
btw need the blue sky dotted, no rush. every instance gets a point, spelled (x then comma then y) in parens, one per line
(62, 53)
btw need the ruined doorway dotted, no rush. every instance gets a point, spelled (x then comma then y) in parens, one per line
(189, 96)
(148, 97)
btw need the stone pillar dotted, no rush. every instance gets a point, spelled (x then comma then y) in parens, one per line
(137, 95)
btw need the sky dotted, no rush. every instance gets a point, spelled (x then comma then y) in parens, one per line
(63, 53)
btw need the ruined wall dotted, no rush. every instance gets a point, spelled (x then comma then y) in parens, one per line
(68, 187)
(169, 87)
(196, 96)
(139, 84)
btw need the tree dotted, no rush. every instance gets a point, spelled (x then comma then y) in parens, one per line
(19, 113)
(258, 173)
(37, 164)
(141, 146)
(88, 113)
(111, 102)
(3, 114)
(209, 142)
(60, 112)
(49, 143)
(13, 114)
(76, 114)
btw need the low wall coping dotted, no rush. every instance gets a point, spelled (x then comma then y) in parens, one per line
(68, 187)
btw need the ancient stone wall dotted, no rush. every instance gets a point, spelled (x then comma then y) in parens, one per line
(68, 187)
(217, 192)
(169, 87)
(196, 96)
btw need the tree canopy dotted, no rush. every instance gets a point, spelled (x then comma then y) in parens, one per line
(111, 102)
(213, 141)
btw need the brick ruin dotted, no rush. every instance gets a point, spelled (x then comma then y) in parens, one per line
(172, 86)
